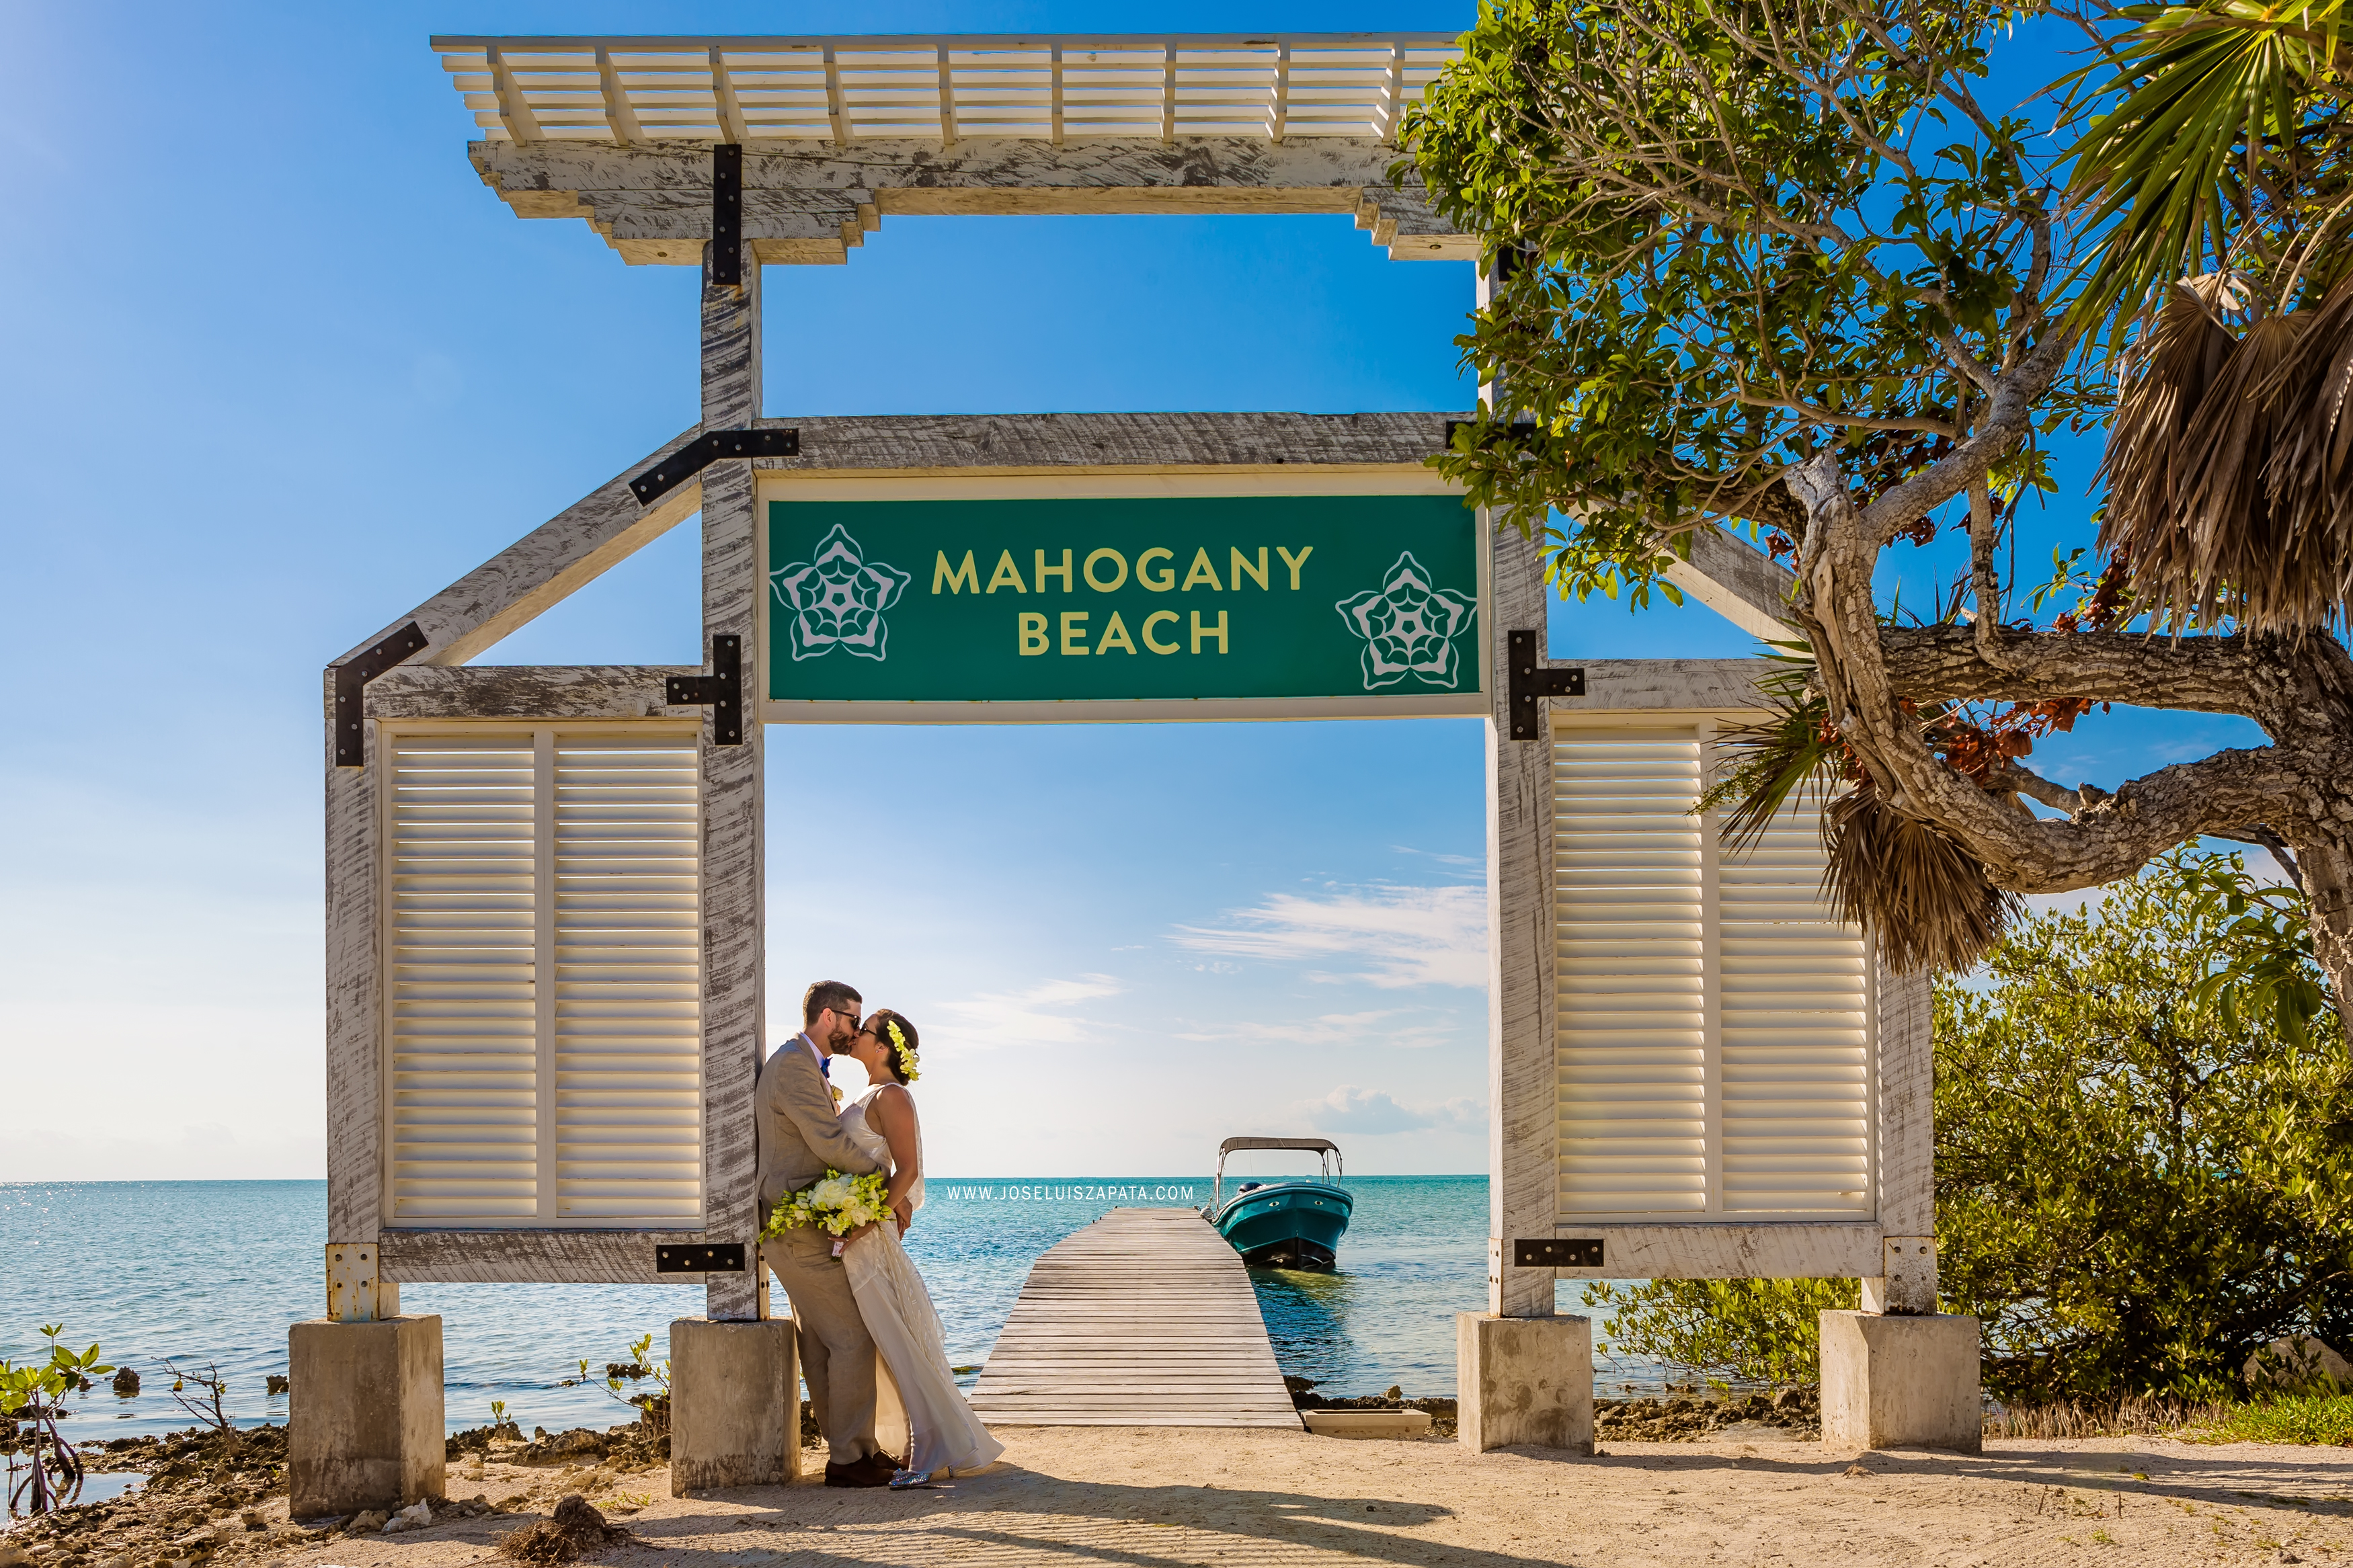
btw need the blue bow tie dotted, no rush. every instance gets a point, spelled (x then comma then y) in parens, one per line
(825, 1066)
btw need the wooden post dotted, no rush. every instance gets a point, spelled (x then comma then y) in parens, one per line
(734, 797)
(354, 992)
(1523, 1085)
(1908, 1151)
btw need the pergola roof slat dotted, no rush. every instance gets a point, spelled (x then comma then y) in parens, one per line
(944, 87)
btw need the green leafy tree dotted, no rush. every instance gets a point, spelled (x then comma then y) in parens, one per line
(1798, 268)
(1751, 1330)
(2140, 1182)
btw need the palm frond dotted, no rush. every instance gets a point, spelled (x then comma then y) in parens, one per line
(2309, 478)
(1926, 896)
(1791, 751)
(2208, 90)
(2228, 465)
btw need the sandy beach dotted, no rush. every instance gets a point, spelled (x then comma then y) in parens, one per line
(1150, 1497)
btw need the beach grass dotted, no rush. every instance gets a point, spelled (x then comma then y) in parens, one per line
(2321, 1419)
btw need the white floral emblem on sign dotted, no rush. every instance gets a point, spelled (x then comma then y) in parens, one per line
(836, 599)
(1408, 626)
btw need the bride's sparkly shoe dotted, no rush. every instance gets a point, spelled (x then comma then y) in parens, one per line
(904, 1479)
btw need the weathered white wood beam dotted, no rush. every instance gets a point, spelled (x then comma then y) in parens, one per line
(539, 570)
(1523, 1082)
(1789, 1250)
(535, 1257)
(947, 442)
(1907, 1145)
(604, 527)
(723, 93)
(620, 117)
(733, 795)
(1738, 582)
(1694, 685)
(575, 692)
(651, 201)
(354, 994)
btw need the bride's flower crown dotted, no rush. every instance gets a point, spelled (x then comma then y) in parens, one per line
(904, 1052)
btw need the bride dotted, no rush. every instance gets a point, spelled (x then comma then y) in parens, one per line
(945, 1436)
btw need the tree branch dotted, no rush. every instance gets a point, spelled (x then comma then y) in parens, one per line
(2203, 675)
(2107, 838)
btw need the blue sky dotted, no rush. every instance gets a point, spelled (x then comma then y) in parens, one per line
(281, 367)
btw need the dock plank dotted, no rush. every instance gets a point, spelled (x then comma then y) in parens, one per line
(1146, 1317)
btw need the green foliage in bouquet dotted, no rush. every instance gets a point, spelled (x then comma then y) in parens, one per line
(837, 1205)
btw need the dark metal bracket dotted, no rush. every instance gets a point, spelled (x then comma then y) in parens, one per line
(1557, 1252)
(1531, 682)
(706, 449)
(727, 213)
(701, 1258)
(722, 690)
(351, 690)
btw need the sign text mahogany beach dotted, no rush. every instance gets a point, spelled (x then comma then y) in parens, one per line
(1135, 598)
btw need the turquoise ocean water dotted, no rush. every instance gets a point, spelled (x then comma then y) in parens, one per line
(212, 1273)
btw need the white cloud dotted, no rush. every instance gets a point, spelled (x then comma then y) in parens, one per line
(1373, 1112)
(1386, 936)
(1038, 1015)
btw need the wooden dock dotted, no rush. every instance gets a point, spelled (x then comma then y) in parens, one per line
(1146, 1317)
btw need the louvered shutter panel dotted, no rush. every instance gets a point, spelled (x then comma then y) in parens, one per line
(461, 1097)
(1796, 1046)
(628, 1045)
(1714, 1022)
(544, 978)
(1632, 985)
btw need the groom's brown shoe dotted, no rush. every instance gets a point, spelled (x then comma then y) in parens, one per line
(868, 1471)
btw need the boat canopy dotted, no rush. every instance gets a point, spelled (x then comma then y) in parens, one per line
(1327, 1153)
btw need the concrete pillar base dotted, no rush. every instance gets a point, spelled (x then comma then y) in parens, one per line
(364, 1419)
(1901, 1383)
(1524, 1381)
(735, 1405)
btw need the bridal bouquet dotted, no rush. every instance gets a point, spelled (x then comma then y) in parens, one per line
(838, 1204)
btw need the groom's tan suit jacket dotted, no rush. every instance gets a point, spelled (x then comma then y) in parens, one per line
(799, 1127)
(800, 1138)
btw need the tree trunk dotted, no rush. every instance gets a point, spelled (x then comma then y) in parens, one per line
(1877, 681)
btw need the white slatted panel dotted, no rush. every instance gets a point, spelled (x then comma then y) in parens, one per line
(1713, 1044)
(1796, 1043)
(461, 1041)
(543, 976)
(1632, 1041)
(627, 1045)
(945, 89)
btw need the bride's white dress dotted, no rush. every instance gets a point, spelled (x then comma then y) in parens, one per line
(943, 1435)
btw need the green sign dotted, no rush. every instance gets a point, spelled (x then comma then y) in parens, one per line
(1275, 596)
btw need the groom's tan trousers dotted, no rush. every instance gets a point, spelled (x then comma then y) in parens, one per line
(836, 1353)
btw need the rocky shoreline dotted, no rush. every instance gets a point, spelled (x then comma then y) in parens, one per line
(219, 1498)
(1788, 1414)
(1683, 1416)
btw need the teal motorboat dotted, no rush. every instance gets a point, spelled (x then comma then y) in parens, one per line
(1293, 1221)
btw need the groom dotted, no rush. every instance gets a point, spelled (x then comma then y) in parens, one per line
(799, 1140)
